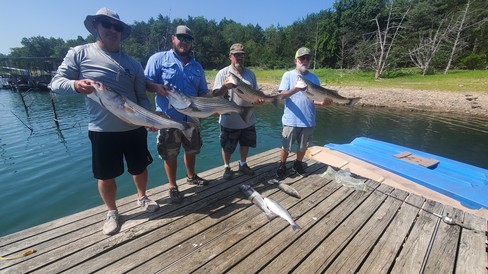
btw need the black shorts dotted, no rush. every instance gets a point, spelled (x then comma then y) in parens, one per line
(110, 148)
(230, 137)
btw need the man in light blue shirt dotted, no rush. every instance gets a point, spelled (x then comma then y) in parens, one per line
(299, 113)
(177, 68)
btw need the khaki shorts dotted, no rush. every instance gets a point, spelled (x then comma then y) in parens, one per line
(301, 135)
(170, 140)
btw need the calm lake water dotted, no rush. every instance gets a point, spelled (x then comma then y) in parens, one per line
(46, 170)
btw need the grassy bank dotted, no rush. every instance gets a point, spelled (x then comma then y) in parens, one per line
(456, 80)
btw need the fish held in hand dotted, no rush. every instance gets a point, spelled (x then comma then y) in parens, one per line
(202, 107)
(320, 94)
(258, 200)
(248, 93)
(285, 188)
(132, 113)
(277, 209)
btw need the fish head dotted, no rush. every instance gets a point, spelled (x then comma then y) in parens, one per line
(104, 95)
(244, 187)
(178, 99)
(232, 78)
(301, 83)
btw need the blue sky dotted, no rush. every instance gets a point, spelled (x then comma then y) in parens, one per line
(64, 18)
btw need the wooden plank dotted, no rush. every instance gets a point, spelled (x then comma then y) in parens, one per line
(442, 256)
(220, 238)
(327, 250)
(417, 243)
(133, 229)
(352, 256)
(309, 237)
(384, 253)
(325, 198)
(68, 249)
(472, 244)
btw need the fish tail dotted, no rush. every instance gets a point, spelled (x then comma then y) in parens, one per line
(295, 227)
(353, 102)
(188, 132)
(275, 101)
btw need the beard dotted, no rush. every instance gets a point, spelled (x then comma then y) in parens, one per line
(181, 51)
(303, 68)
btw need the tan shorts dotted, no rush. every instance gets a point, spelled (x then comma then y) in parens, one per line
(170, 140)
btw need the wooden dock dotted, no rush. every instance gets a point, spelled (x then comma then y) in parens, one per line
(217, 229)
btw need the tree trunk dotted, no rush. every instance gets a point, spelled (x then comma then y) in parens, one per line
(456, 41)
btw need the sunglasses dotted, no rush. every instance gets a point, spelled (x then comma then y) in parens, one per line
(305, 57)
(108, 25)
(184, 38)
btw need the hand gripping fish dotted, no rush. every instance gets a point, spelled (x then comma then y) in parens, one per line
(319, 93)
(248, 93)
(258, 200)
(285, 188)
(202, 107)
(133, 113)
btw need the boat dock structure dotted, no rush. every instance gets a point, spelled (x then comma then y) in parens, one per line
(377, 229)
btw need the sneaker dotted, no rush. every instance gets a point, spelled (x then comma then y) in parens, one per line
(197, 181)
(298, 168)
(227, 173)
(111, 225)
(245, 169)
(281, 172)
(175, 195)
(147, 204)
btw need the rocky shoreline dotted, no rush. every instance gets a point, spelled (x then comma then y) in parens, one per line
(466, 103)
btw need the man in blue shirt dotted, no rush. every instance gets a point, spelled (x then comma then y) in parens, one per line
(299, 113)
(177, 68)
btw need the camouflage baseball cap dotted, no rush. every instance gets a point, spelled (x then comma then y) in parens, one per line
(237, 48)
(302, 51)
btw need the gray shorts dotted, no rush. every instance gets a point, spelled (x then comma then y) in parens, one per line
(170, 140)
(301, 135)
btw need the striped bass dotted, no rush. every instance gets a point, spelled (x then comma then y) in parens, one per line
(277, 209)
(258, 200)
(319, 93)
(248, 93)
(202, 107)
(133, 113)
(286, 188)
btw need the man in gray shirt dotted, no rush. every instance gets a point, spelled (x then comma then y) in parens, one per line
(233, 128)
(112, 139)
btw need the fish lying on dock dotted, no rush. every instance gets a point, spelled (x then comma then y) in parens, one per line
(277, 209)
(133, 113)
(270, 207)
(286, 188)
(202, 107)
(248, 93)
(319, 93)
(257, 199)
